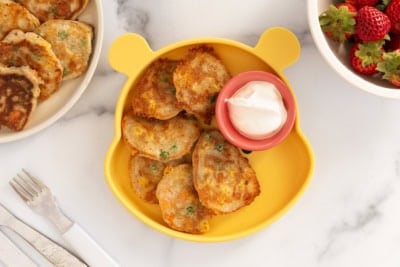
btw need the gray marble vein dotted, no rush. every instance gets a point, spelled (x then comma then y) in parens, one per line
(367, 216)
(133, 18)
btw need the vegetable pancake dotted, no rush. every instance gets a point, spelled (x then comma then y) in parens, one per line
(19, 91)
(162, 140)
(222, 177)
(55, 9)
(71, 42)
(198, 80)
(15, 16)
(179, 202)
(145, 174)
(154, 94)
(29, 49)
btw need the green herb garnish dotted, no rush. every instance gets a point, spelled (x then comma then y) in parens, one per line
(164, 154)
(63, 35)
(65, 71)
(190, 210)
(207, 136)
(219, 147)
(53, 11)
(153, 168)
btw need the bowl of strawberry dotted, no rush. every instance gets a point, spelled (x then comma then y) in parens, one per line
(360, 39)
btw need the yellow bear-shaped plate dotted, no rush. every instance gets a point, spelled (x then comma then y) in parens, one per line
(283, 171)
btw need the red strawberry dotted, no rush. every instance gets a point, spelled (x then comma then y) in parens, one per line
(352, 2)
(372, 24)
(351, 8)
(338, 22)
(393, 12)
(390, 67)
(361, 3)
(393, 43)
(364, 57)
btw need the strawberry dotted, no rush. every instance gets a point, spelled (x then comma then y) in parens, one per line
(364, 57)
(371, 24)
(390, 67)
(361, 3)
(393, 43)
(352, 2)
(338, 22)
(393, 13)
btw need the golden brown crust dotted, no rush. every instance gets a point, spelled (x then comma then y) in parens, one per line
(19, 91)
(154, 95)
(162, 140)
(222, 177)
(29, 49)
(179, 203)
(198, 80)
(15, 16)
(55, 9)
(71, 42)
(145, 174)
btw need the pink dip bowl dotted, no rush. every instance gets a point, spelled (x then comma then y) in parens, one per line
(222, 115)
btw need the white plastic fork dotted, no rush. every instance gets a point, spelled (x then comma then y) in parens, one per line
(40, 199)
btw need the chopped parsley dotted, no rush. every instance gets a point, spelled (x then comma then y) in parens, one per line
(62, 35)
(174, 148)
(153, 168)
(36, 56)
(164, 78)
(65, 71)
(53, 11)
(219, 147)
(207, 136)
(83, 43)
(164, 154)
(190, 210)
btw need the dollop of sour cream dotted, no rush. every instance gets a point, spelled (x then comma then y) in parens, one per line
(257, 110)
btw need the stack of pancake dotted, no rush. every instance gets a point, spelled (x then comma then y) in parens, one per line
(41, 44)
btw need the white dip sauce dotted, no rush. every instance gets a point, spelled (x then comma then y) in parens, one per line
(257, 110)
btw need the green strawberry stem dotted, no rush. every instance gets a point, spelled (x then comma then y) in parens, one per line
(370, 52)
(390, 67)
(338, 23)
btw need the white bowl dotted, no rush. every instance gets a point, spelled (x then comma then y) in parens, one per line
(337, 55)
(62, 101)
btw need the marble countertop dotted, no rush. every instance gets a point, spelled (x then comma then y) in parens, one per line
(348, 216)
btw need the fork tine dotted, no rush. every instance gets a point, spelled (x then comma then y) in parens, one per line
(36, 181)
(24, 194)
(27, 186)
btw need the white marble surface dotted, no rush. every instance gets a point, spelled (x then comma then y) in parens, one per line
(349, 215)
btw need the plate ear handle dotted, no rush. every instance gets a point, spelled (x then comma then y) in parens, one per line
(128, 53)
(279, 47)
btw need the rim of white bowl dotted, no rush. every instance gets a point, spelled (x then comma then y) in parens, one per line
(82, 87)
(326, 52)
